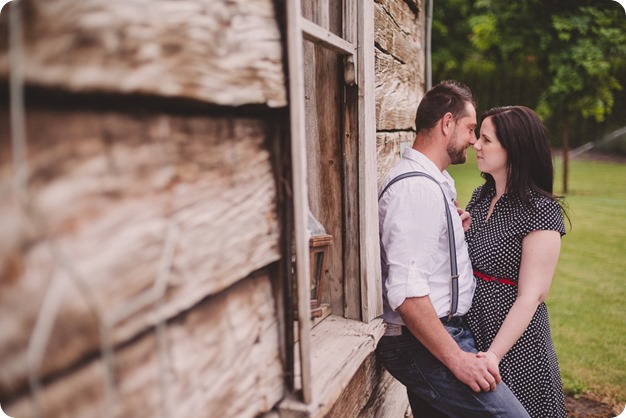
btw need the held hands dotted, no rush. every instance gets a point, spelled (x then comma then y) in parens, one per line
(489, 355)
(479, 371)
(466, 219)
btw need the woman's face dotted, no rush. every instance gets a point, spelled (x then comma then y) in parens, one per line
(490, 156)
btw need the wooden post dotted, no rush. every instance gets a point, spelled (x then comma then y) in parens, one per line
(371, 290)
(300, 194)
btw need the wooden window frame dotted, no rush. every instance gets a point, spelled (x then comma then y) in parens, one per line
(358, 50)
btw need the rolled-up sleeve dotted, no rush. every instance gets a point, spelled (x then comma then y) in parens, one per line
(411, 223)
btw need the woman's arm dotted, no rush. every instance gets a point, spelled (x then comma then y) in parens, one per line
(540, 254)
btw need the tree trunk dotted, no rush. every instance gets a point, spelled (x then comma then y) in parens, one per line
(565, 150)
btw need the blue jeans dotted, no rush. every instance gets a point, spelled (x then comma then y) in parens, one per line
(434, 392)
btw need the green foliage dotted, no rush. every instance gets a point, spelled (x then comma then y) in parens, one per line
(450, 32)
(554, 56)
(579, 61)
(572, 43)
(484, 33)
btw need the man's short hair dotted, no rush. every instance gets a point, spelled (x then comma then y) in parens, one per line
(447, 96)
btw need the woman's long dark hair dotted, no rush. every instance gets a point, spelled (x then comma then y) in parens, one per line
(529, 160)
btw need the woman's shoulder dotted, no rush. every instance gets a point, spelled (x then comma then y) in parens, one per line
(543, 202)
(546, 213)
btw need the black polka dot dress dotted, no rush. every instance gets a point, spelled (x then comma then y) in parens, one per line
(530, 368)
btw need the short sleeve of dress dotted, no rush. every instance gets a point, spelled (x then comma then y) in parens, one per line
(546, 215)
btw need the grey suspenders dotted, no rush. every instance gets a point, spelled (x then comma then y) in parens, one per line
(454, 274)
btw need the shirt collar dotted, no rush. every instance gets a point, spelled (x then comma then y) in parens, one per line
(428, 166)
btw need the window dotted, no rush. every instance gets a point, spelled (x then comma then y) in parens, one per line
(333, 139)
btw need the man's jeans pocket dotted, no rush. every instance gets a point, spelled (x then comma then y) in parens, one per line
(402, 358)
(463, 337)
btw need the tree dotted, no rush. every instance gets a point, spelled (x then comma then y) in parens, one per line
(576, 44)
(451, 32)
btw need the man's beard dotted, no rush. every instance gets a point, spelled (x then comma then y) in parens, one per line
(456, 153)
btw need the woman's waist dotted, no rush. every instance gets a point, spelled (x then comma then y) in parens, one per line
(497, 279)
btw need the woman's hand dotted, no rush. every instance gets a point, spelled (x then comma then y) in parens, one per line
(466, 218)
(493, 357)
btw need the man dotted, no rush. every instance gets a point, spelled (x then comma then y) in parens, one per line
(429, 351)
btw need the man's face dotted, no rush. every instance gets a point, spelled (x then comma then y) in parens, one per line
(462, 136)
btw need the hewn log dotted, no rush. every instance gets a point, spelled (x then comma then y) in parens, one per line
(398, 34)
(122, 208)
(414, 4)
(397, 88)
(388, 151)
(383, 396)
(399, 64)
(226, 52)
(219, 360)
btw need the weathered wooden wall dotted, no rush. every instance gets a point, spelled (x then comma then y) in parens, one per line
(325, 171)
(218, 360)
(136, 215)
(399, 77)
(225, 52)
(382, 395)
(399, 66)
(107, 192)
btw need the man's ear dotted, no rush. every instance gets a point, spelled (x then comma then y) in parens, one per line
(447, 123)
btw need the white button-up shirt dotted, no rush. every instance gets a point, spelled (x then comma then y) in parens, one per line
(414, 240)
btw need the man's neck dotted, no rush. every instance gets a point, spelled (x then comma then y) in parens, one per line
(431, 148)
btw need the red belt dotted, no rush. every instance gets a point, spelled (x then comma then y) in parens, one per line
(489, 278)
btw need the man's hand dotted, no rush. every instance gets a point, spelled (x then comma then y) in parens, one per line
(466, 218)
(479, 373)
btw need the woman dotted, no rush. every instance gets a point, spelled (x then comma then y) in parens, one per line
(514, 243)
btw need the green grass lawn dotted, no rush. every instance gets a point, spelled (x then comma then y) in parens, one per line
(588, 294)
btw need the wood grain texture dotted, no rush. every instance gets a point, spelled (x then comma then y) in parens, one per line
(397, 31)
(371, 282)
(383, 396)
(399, 64)
(226, 52)
(404, 16)
(323, 108)
(219, 360)
(108, 194)
(339, 347)
(352, 240)
(390, 400)
(388, 151)
(396, 93)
